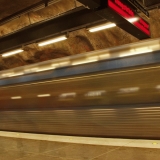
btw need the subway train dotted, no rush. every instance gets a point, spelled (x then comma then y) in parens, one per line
(116, 96)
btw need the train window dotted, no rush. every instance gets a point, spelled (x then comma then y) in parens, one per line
(128, 90)
(95, 93)
(67, 95)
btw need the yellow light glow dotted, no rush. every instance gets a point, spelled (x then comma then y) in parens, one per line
(7, 54)
(54, 40)
(102, 27)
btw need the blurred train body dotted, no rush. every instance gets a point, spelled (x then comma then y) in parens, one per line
(95, 99)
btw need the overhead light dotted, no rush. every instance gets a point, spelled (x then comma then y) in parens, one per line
(102, 27)
(132, 20)
(12, 52)
(50, 41)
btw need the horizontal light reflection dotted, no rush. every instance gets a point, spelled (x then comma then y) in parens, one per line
(87, 60)
(64, 95)
(95, 93)
(16, 74)
(158, 87)
(129, 90)
(7, 74)
(44, 69)
(137, 51)
(44, 95)
(17, 97)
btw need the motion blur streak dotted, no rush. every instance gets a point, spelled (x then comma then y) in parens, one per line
(87, 106)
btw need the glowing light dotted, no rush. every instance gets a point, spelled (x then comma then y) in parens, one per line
(102, 27)
(95, 93)
(87, 60)
(16, 74)
(17, 97)
(158, 87)
(127, 13)
(137, 51)
(64, 95)
(7, 54)
(132, 20)
(45, 69)
(129, 90)
(154, 143)
(54, 40)
(44, 95)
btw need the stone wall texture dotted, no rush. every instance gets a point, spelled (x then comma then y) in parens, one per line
(79, 41)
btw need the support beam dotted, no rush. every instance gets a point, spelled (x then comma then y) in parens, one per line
(92, 4)
(76, 19)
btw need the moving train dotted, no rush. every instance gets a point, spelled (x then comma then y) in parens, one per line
(100, 94)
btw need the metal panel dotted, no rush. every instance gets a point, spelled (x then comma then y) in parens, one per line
(91, 3)
(121, 121)
(111, 114)
(100, 66)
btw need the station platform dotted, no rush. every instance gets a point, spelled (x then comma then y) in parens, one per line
(24, 146)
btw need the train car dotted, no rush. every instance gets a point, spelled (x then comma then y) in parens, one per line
(100, 94)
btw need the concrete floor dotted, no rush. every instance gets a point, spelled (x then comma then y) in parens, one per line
(18, 146)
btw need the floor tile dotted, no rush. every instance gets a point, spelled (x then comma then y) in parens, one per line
(125, 153)
(80, 151)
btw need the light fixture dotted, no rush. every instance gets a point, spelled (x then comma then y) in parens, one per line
(7, 54)
(101, 27)
(132, 20)
(53, 40)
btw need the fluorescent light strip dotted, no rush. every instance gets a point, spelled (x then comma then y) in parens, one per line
(54, 40)
(18, 97)
(44, 95)
(7, 54)
(132, 20)
(102, 27)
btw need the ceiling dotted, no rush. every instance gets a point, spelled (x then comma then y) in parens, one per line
(149, 3)
(80, 41)
(9, 7)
